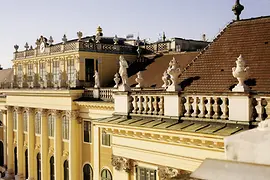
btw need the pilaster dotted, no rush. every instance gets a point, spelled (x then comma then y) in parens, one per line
(240, 107)
(20, 152)
(31, 143)
(4, 114)
(74, 145)
(96, 142)
(10, 152)
(58, 165)
(44, 144)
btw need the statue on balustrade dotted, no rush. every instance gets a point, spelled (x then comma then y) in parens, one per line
(97, 83)
(123, 73)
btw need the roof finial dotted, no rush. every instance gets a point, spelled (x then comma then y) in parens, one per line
(237, 9)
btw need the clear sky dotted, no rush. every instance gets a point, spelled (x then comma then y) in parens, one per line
(25, 20)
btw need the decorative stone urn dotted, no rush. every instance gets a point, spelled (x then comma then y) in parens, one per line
(174, 71)
(241, 72)
(139, 80)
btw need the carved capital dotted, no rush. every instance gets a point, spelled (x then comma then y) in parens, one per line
(121, 163)
(4, 111)
(65, 153)
(56, 113)
(74, 115)
(28, 110)
(18, 109)
(42, 111)
(9, 108)
(167, 173)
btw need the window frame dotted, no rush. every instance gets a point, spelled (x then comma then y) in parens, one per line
(106, 139)
(51, 121)
(38, 159)
(15, 120)
(65, 127)
(71, 70)
(42, 70)
(38, 123)
(56, 71)
(52, 164)
(85, 172)
(107, 172)
(89, 132)
(25, 121)
(146, 170)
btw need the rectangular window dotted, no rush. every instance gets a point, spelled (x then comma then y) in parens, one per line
(20, 72)
(14, 120)
(25, 121)
(87, 131)
(51, 125)
(65, 127)
(71, 70)
(106, 139)
(42, 71)
(145, 174)
(56, 71)
(38, 123)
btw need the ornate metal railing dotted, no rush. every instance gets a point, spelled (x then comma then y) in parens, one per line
(158, 47)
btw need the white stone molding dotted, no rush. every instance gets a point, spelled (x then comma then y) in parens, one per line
(241, 73)
(174, 71)
(116, 80)
(121, 163)
(139, 80)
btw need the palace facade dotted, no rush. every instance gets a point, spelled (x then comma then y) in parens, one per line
(68, 114)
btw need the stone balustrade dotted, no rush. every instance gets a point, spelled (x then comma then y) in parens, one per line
(211, 107)
(106, 94)
(75, 46)
(149, 104)
(260, 108)
(158, 47)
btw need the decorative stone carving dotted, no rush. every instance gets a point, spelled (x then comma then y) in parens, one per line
(123, 73)
(26, 46)
(121, 163)
(116, 80)
(98, 38)
(74, 115)
(16, 47)
(64, 39)
(165, 79)
(241, 72)
(115, 39)
(174, 71)
(139, 80)
(97, 82)
(51, 41)
(80, 35)
(166, 173)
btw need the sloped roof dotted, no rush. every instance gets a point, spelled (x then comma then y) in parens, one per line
(153, 73)
(6, 74)
(211, 71)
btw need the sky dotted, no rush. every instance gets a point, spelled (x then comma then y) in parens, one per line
(24, 21)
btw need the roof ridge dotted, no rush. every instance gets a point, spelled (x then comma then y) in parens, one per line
(253, 18)
(202, 51)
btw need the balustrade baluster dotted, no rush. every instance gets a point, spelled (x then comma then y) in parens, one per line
(161, 105)
(145, 104)
(134, 104)
(155, 105)
(215, 108)
(140, 104)
(224, 108)
(187, 106)
(208, 107)
(195, 106)
(150, 105)
(202, 107)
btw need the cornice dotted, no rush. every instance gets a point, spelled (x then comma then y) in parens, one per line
(97, 105)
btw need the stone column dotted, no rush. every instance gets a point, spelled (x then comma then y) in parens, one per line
(20, 152)
(96, 139)
(44, 144)
(10, 149)
(31, 143)
(74, 145)
(4, 115)
(58, 165)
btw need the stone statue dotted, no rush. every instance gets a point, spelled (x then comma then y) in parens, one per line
(116, 80)
(139, 80)
(165, 79)
(123, 70)
(241, 72)
(174, 71)
(97, 83)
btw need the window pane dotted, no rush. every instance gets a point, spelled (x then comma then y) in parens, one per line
(87, 131)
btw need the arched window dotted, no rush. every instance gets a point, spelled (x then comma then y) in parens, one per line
(1, 153)
(38, 122)
(66, 170)
(106, 175)
(26, 163)
(15, 160)
(87, 172)
(38, 166)
(52, 168)
(65, 127)
(25, 121)
(51, 125)
(14, 120)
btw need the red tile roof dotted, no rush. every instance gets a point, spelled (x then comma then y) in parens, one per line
(153, 73)
(212, 70)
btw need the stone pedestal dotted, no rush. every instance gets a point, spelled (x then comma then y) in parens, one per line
(124, 87)
(172, 105)
(240, 108)
(122, 103)
(96, 93)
